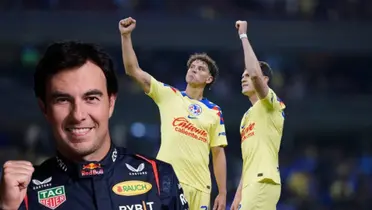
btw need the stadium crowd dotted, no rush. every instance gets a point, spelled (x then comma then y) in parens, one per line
(296, 75)
(323, 173)
(289, 9)
(320, 176)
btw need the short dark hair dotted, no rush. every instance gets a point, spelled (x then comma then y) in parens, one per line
(266, 70)
(212, 66)
(60, 56)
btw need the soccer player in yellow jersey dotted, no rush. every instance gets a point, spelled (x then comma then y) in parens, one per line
(261, 132)
(191, 125)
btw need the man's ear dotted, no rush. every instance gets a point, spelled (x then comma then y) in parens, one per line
(210, 80)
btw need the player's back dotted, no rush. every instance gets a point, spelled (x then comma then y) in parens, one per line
(187, 133)
(261, 133)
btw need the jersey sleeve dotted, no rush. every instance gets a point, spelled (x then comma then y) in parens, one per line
(272, 101)
(172, 195)
(218, 134)
(160, 92)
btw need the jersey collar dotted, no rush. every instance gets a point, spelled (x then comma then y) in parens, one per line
(87, 169)
(203, 100)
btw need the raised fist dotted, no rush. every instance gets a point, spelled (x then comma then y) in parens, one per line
(127, 25)
(241, 26)
(14, 181)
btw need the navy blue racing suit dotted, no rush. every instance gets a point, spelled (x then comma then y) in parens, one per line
(121, 181)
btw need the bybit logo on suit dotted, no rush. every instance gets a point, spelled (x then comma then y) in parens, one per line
(143, 206)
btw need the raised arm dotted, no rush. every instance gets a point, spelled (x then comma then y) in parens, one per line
(132, 68)
(252, 65)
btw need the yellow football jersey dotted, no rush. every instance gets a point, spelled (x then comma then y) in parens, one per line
(189, 128)
(261, 131)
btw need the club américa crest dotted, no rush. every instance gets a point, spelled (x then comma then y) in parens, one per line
(194, 110)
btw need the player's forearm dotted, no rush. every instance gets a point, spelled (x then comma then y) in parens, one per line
(250, 59)
(238, 193)
(240, 187)
(129, 56)
(219, 166)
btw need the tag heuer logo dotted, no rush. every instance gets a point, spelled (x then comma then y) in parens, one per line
(137, 171)
(52, 197)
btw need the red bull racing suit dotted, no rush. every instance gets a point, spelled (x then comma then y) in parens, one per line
(121, 181)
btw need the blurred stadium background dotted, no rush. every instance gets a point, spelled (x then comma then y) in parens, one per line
(320, 50)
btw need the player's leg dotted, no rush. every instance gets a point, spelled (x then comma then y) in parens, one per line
(189, 193)
(250, 197)
(272, 195)
(260, 196)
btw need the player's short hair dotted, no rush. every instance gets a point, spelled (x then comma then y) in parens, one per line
(266, 70)
(212, 66)
(65, 55)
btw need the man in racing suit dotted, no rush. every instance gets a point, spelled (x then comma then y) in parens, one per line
(76, 87)
(120, 181)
